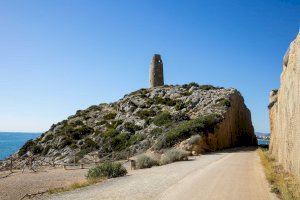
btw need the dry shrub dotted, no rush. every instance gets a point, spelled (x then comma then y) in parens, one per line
(174, 155)
(283, 184)
(145, 161)
(106, 170)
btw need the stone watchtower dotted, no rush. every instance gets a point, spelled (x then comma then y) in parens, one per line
(156, 71)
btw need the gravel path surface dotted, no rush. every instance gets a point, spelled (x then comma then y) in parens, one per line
(17, 185)
(233, 175)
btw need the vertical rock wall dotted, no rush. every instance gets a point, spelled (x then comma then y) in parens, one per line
(284, 113)
(236, 129)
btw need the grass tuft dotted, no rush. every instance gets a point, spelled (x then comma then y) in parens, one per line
(75, 186)
(282, 183)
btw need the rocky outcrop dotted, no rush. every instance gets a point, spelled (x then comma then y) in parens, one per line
(234, 130)
(150, 120)
(284, 111)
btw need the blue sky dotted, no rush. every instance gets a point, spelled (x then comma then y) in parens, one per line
(59, 56)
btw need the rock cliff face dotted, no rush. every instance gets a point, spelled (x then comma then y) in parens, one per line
(285, 112)
(151, 120)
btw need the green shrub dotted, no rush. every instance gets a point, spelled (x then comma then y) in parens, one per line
(187, 93)
(74, 146)
(135, 139)
(156, 132)
(114, 124)
(46, 150)
(174, 155)
(120, 142)
(78, 123)
(90, 144)
(26, 147)
(106, 170)
(94, 107)
(78, 132)
(180, 117)
(143, 114)
(131, 127)
(192, 84)
(186, 129)
(37, 149)
(101, 123)
(82, 153)
(110, 133)
(48, 137)
(164, 101)
(110, 116)
(66, 141)
(180, 105)
(207, 87)
(162, 119)
(78, 112)
(224, 102)
(142, 91)
(144, 161)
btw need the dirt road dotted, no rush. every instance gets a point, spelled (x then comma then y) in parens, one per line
(236, 175)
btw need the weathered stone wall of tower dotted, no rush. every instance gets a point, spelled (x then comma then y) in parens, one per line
(156, 71)
(285, 112)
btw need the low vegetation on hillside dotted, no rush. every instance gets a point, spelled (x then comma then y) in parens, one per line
(155, 119)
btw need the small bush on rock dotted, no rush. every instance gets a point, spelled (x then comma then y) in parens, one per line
(48, 137)
(120, 142)
(192, 84)
(110, 133)
(207, 87)
(135, 139)
(186, 129)
(106, 170)
(156, 132)
(46, 150)
(114, 124)
(162, 119)
(143, 114)
(145, 161)
(66, 141)
(194, 139)
(110, 116)
(131, 127)
(174, 155)
(26, 147)
(163, 101)
(37, 149)
(90, 144)
(224, 102)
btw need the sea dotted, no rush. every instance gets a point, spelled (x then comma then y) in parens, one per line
(263, 142)
(10, 142)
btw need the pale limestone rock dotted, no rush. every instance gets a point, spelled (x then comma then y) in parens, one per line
(285, 112)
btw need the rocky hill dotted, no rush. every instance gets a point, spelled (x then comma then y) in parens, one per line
(192, 117)
(285, 112)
